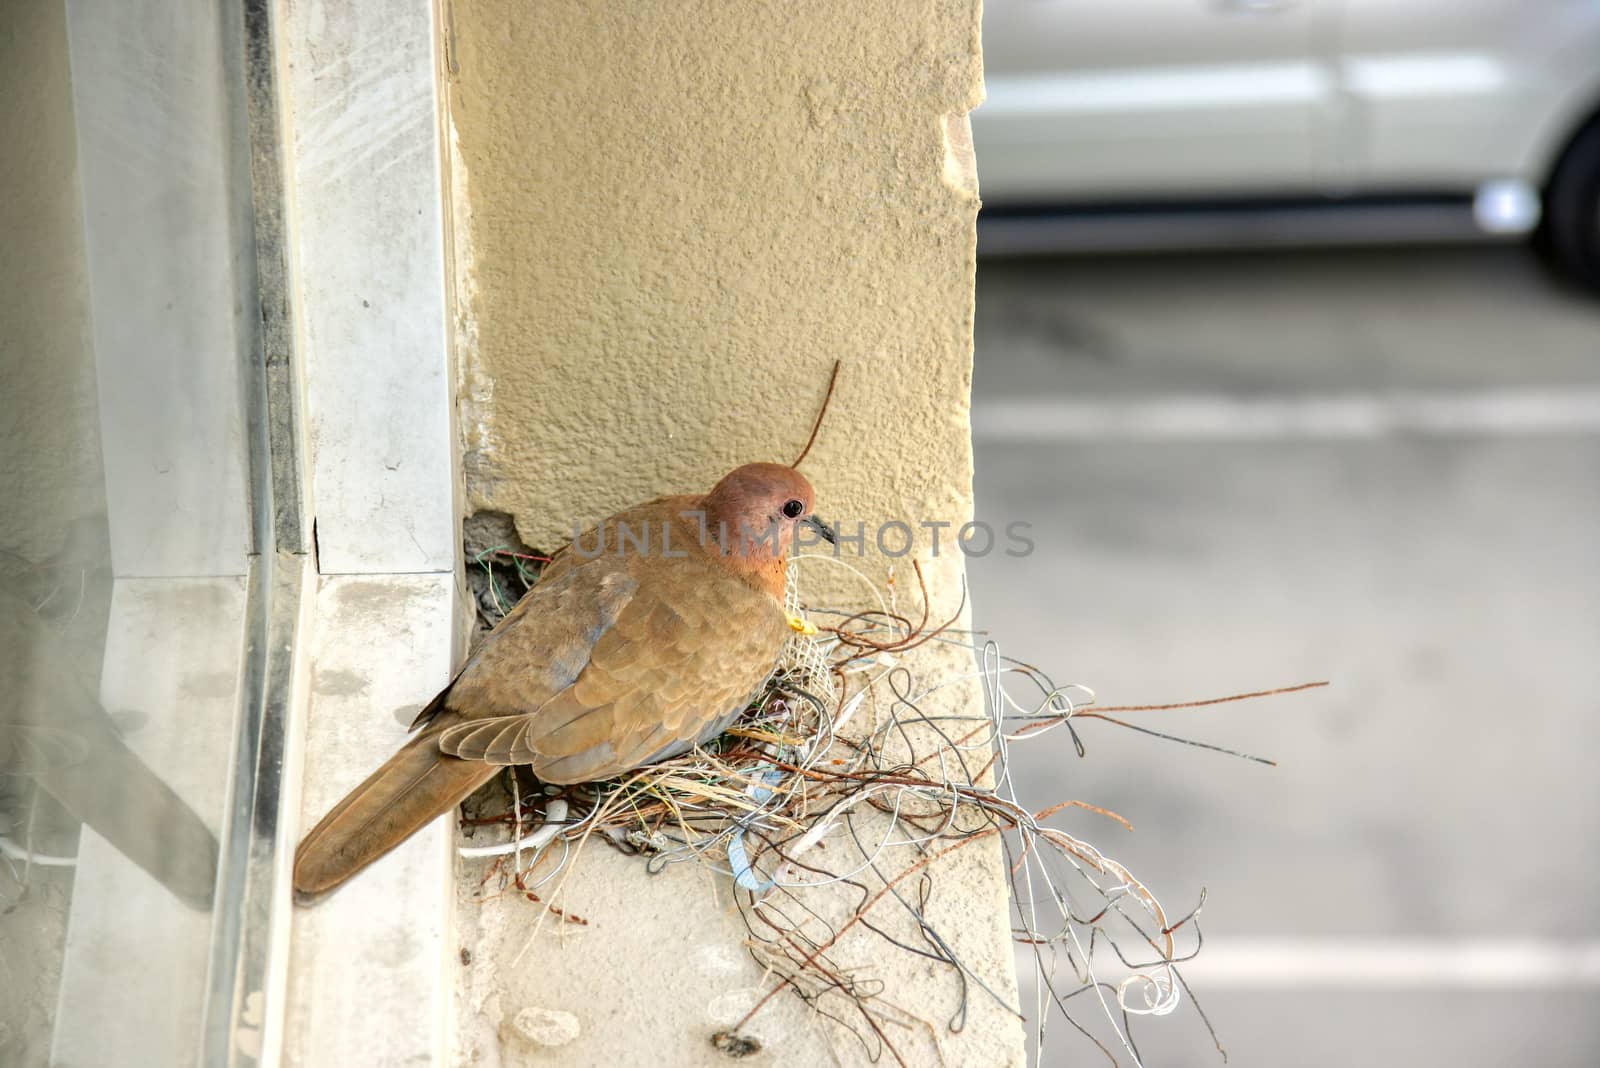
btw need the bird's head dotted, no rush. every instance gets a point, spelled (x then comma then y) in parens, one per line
(763, 507)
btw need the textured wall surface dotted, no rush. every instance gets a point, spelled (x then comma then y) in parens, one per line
(669, 220)
(677, 216)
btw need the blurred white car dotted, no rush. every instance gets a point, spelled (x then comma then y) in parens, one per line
(1489, 109)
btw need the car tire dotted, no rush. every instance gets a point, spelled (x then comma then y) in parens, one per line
(1569, 235)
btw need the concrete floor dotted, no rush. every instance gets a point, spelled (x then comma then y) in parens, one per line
(1439, 800)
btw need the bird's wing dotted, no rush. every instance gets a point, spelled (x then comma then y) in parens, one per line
(555, 625)
(543, 644)
(625, 659)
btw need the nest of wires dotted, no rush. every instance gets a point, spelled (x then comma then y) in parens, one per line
(843, 775)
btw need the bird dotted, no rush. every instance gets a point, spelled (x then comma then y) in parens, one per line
(645, 636)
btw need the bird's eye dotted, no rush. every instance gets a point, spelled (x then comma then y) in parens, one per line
(794, 509)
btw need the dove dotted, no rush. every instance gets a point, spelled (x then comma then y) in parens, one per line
(644, 637)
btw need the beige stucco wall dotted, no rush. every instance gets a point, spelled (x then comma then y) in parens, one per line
(669, 220)
(678, 216)
(50, 473)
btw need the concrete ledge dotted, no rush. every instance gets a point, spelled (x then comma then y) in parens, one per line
(368, 236)
(369, 966)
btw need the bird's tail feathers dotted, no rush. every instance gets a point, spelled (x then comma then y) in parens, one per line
(415, 786)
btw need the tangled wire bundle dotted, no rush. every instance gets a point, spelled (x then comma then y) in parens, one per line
(838, 748)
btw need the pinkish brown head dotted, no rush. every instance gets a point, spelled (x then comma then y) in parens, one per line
(762, 507)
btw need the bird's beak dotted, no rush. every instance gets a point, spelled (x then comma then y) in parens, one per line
(825, 532)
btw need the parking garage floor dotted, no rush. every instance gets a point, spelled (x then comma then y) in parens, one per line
(1375, 467)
